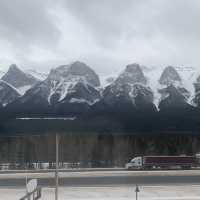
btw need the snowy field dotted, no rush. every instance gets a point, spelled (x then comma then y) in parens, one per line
(186, 192)
(151, 191)
(100, 173)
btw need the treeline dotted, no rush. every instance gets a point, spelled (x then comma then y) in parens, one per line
(93, 150)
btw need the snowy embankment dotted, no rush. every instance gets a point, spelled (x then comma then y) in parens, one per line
(187, 192)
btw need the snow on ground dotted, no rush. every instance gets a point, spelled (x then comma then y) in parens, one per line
(102, 173)
(186, 192)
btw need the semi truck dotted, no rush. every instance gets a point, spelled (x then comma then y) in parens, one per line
(163, 162)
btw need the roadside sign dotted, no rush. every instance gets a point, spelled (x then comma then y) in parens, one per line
(31, 185)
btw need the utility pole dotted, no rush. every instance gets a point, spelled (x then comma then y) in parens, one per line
(26, 177)
(57, 166)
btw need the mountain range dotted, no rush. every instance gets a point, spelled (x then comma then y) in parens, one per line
(139, 97)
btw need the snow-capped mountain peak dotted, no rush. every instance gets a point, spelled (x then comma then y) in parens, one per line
(78, 70)
(75, 88)
(170, 76)
(19, 79)
(130, 86)
(63, 79)
(172, 91)
(65, 85)
(132, 74)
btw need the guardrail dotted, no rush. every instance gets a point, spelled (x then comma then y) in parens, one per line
(35, 195)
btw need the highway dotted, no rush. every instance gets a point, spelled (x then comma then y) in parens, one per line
(104, 178)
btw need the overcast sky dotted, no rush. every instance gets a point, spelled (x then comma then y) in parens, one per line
(105, 34)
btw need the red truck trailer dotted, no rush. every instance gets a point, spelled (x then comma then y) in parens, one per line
(149, 162)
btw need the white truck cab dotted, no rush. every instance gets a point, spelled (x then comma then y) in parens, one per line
(135, 163)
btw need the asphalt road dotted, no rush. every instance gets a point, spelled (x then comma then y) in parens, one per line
(105, 178)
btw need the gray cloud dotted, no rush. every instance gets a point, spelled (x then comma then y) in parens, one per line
(108, 20)
(115, 18)
(105, 34)
(25, 22)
